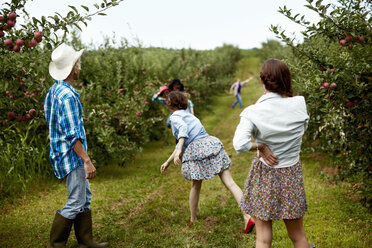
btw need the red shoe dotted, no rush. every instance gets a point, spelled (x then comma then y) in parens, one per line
(249, 226)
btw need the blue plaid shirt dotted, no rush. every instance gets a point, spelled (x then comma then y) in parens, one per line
(64, 115)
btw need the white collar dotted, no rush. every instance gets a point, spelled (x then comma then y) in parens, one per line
(268, 96)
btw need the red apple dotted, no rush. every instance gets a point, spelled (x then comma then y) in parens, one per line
(331, 70)
(11, 115)
(12, 16)
(38, 36)
(350, 104)
(1, 34)
(33, 43)
(2, 18)
(333, 86)
(19, 42)
(32, 111)
(348, 38)
(7, 92)
(360, 39)
(16, 49)
(27, 117)
(321, 80)
(19, 118)
(10, 23)
(342, 42)
(326, 85)
(8, 42)
(350, 46)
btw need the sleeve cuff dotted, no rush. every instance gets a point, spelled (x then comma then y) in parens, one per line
(73, 136)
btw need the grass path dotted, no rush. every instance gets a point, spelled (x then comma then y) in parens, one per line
(135, 206)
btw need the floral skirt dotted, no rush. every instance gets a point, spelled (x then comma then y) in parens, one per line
(204, 158)
(274, 194)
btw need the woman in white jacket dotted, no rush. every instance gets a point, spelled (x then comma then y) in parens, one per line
(274, 189)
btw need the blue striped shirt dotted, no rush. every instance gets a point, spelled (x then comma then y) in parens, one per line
(64, 116)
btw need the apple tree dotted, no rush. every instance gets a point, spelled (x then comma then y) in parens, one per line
(332, 69)
(26, 43)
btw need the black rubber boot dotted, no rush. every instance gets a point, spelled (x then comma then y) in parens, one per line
(60, 231)
(83, 231)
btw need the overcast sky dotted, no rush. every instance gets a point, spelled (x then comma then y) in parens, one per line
(198, 24)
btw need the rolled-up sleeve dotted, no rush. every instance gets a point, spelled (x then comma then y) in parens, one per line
(70, 122)
(179, 127)
(242, 139)
(191, 105)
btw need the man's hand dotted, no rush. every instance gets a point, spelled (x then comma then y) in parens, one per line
(163, 168)
(90, 170)
(267, 155)
(177, 157)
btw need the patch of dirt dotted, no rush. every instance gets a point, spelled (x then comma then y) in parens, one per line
(330, 171)
(209, 222)
(122, 202)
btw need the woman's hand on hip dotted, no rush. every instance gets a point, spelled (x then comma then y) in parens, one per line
(267, 154)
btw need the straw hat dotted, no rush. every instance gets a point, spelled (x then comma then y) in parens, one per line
(63, 58)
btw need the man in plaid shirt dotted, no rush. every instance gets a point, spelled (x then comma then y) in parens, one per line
(68, 149)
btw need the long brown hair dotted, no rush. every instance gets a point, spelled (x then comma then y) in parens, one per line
(276, 77)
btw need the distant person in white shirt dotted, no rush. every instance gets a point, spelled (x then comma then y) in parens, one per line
(274, 189)
(237, 87)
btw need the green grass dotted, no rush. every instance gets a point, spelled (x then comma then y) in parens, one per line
(134, 206)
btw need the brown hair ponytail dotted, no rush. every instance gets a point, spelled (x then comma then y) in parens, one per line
(276, 77)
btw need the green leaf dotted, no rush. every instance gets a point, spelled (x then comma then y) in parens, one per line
(35, 21)
(318, 3)
(74, 8)
(77, 26)
(85, 7)
(102, 14)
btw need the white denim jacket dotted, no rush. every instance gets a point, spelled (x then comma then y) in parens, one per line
(279, 122)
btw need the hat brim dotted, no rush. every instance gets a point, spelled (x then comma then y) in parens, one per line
(63, 73)
(162, 91)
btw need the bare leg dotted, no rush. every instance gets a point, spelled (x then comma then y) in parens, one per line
(264, 233)
(194, 198)
(296, 233)
(229, 183)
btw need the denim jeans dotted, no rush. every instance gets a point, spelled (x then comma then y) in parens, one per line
(79, 194)
(238, 100)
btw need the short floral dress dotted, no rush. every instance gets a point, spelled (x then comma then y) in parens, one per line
(274, 193)
(204, 158)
